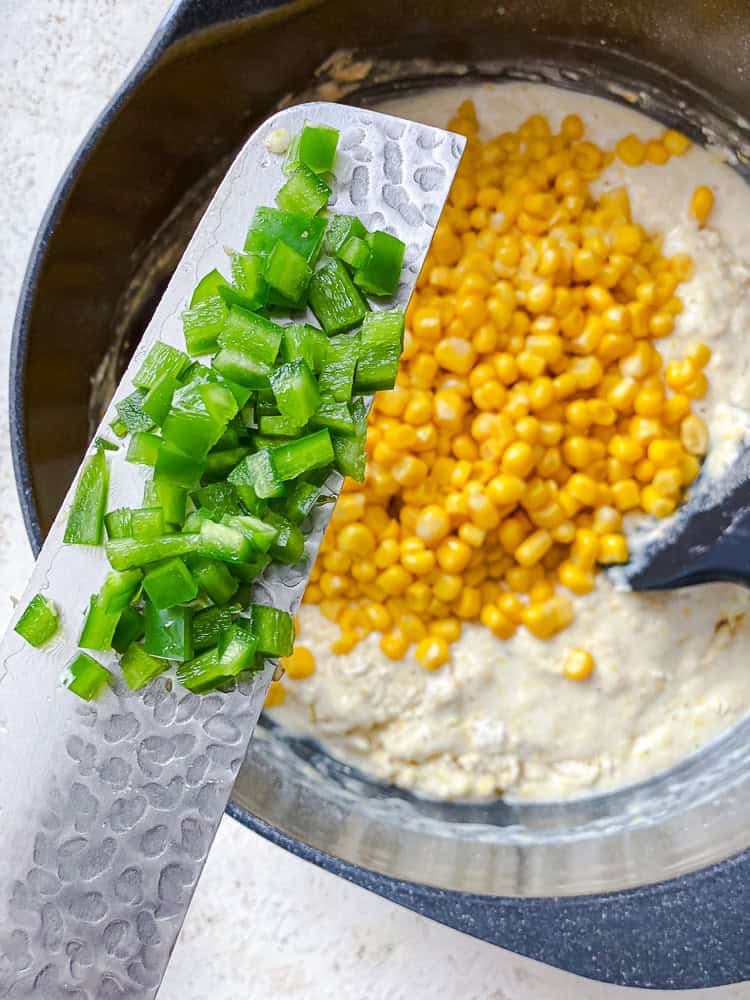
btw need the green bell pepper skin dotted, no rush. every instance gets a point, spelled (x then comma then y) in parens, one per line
(242, 368)
(202, 674)
(217, 499)
(220, 541)
(273, 629)
(305, 192)
(118, 428)
(209, 624)
(168, 634)
(340, 229)
(102, 442)
(86, 518)
(173, 466)
(99, 626)
(335, 416)
(130, 628)
(350, 451)
(220, 463)
(262, 534)
(161, 360)
(296, 391)
(170, 583)
(289, 544)
(276, 426)
(172, 500)
(247, 415)
(147, 523)
(208, 287)
(39, 622)
(119, 590)
(314, 451)
(158, 399)
(119, 523)
(219, 402)
(128, 553)
(316, 147)
(85, 677)
(237, 648)
(288, 273)
(249, 280)
(143, 448)
(202, 325)
(191, 426)
(380, 345)
(138, 668)
(302, 233)
(299, 343)
(252, 334)
(301, 501)
(382, 272)
(258, 472)
(337, 376)
(335, 300)
(355, 253)
(213, 578)
(131, 413)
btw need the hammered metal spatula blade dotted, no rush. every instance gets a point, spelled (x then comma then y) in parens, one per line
(108, 810)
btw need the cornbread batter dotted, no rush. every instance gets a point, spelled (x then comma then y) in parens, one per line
(670, 670)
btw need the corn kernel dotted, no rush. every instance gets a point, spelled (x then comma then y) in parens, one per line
(275, 695)
(701, 204)
(578, 664)
(613, 549)
(675, 142)
(694, 435)
(655, 504)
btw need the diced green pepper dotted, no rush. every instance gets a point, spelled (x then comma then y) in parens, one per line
(143, 448)
(128, 553)
(172, 500)
(86, 518)
(208, 287)
(175, 467)
(170, 583)
(289, 274)
(99, 626)
(118, 428)
(39, 622)
(355, 253)
(120, 589)
(159, 398)
(85, 677)
(213, 577)
(118, 523)
(220, 541)
(335, 299)
(299, 343)
(147, 523)
(237, 648)
(131, 413)
(296, 391)
(248, 277)
(190, 426)
(217, 499)
(315, 147)
(380, 345)
(302, 233)
(258, 472)
(247, 415)
(129, 629)
(273, 629)
(220, 463)
(340, 229)
(242, 368)
(262, 534)
(209, 624)
(304, 193)
(337, 375)
(335, 416)
(138, 668)
(278, 426)
(249, 571)
(202, 325)
(161, 360)
(350, 452)
(381, 274)
(202, 674)
(314, 451)
(289, 544)
(102, 442)
(168, 634)
(301, 501)
(252, 334)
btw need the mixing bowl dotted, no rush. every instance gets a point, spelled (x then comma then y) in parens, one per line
(646, 886)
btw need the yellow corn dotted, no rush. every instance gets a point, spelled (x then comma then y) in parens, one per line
(578, 665)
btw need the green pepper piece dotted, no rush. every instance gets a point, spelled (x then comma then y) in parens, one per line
(118, 428)
(131, 413)
(168, 634)
(162, 359)
(340, 229)
(129, 629)
(217, 499)
(304, 193)
(261, 533)
(107, 445)
(302, 233)
(249, 571)
(315, 148)
(301, 501)
(242, 368)
(208, 287)
(273, 629)
(213, 577)
(202, 673)
(172, 500)
(381, 274)
(147, 523)
(258, 472)
(85, 677)
(334, 298)
(39, 622)
(289, 544)
(86, 518)
(190, 426)
(275, 425)
(355, 253)
(173, 466)
(129, 553)
(209, 624)
(236, 649)
(138, 668)
(170, 583)
(158, 399)
(248, 278)
(252, 334)
(143, 448)
(380, 345)
(289, 274)
(118, 523)
(298, 343)
(335, 416)
(119, 590)
(313, 451)
(220, 541)
(296, 391)
(220, 463)
(337, 375)
(99, 626)
(202, 325)
(219, 402)
(350, 452)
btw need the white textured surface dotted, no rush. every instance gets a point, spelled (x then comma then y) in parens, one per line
(263, 924)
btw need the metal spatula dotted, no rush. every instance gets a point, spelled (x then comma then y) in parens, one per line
(108, 809)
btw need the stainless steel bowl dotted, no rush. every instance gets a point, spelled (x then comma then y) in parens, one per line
(646, 886)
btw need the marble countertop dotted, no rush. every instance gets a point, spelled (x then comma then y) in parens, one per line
(263, 923)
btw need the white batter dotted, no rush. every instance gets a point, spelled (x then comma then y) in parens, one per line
(672, 670)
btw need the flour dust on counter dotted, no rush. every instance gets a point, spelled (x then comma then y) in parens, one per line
(501, 716)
